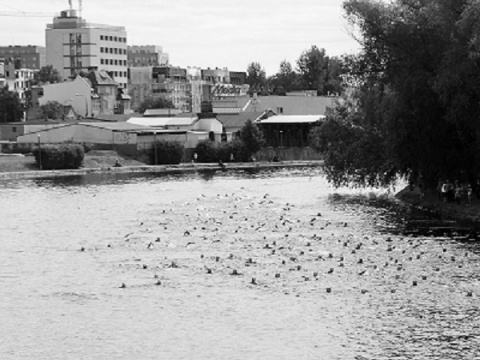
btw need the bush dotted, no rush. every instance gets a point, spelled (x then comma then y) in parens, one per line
(210, 152)
(15, 148)
(168, 152)
(65, 156)
(206, 151)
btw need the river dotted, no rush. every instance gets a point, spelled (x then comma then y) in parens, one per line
(269, 265)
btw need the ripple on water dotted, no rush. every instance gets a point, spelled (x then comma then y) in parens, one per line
(187, 249)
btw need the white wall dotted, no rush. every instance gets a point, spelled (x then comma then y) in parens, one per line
(208, 125)
(66, 94)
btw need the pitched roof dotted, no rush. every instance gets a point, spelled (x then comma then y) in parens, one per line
(161, 112)
(227, 110)
(232, 121)
(101, 78)
(115, 126)
(293, 105)
(292, 119)
(163, 121)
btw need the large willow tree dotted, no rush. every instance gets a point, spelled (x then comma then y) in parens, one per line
(415, 107)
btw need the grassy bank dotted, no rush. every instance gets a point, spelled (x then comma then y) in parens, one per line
(447, 210)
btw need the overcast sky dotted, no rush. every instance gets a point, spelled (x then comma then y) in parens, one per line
(207, 33)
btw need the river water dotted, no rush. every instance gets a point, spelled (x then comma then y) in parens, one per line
(272, 265)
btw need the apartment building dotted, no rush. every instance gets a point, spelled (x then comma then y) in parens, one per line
(29, 56)
(74, 46)
(165, 82)
(17, 80)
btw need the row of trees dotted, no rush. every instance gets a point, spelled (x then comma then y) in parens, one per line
(415, 108)
(315, 71)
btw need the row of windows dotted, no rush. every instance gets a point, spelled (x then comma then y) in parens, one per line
(113, 62)
(120, 73)
(113, 50)
(113, 38)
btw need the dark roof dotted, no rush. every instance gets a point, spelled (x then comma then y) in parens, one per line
(101, 78)
(234, 121)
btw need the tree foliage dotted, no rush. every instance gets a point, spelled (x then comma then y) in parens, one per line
(11, 108)
(257, 79)
(155, 103)
(319, 72)
(285, 80)
(167, 152)
(46, 75)
(315, 71)
(65, 156)
(417, 86)
(51, 110)
(353, 141)
(252, 137)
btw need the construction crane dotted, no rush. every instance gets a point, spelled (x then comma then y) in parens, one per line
(21, 13)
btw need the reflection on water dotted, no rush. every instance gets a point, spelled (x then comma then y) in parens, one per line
(222, 265)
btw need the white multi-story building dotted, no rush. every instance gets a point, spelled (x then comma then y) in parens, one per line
(74, 46)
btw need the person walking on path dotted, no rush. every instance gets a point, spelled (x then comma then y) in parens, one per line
(469, 194)
(439, 190)
(444, 191)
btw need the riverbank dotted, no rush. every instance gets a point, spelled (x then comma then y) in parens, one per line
(23, 167)
(447, 210)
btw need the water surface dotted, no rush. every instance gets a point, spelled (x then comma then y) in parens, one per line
(269, 265)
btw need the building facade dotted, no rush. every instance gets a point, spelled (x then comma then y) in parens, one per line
(17, 80)
(74, 46)
(146, 55)
(29, 56)
(215, 76)
(170, 83)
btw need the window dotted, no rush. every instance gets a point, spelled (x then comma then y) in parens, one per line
(101, 49)
(111, 50)
(116, 62)
(116, 51)
(101, 37)
(111, 62)
(115, 38)
(110, 38)
(279, 110)
(14, 129)
(101, 61)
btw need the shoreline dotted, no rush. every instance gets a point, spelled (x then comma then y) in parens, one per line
(430, 203)
(165, 169)
(462, 213)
